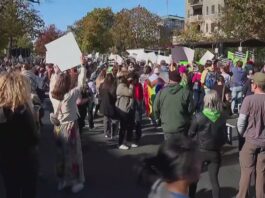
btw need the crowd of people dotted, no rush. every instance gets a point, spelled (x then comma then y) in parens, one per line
(190, 102)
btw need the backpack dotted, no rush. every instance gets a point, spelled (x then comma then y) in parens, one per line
(210, 80)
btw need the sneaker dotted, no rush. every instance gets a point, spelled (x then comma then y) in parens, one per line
(77, 187)
(123, 147)
(134, 145)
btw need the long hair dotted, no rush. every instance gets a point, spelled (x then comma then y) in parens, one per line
(62, 86)
(109, 81)
(100, 78)
(14, 90)
(212, 101)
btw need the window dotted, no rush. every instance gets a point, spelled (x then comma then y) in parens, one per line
(207, 28)
(212, 27)
(213, 9)
(207, 10)
(219, 8)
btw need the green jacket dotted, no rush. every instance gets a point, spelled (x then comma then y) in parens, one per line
(174, 106)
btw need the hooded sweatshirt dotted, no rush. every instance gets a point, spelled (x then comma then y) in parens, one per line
(212, 115)
(174, 106)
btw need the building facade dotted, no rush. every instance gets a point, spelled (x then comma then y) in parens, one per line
(204, 14)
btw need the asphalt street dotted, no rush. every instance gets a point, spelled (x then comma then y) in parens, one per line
(111, 173)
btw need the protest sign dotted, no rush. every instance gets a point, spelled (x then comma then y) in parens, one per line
(64, 52)
(189, 54)
(142, 56)
(117, 58)
(182, 54)
(207, 56)
(238, 56)
(134, 52)
(152, 57)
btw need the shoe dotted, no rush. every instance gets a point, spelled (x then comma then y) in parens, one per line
(134, 145)
(77, 187)
(123, 147)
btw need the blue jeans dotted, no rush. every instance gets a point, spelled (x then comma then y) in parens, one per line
(236, 97)
(198, 100)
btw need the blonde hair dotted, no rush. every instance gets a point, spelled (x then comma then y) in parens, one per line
(212, 101)
(14, 90)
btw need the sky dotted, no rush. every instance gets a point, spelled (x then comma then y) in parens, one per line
(65, 12)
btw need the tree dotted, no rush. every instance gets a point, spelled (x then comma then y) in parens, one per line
(135, 28)
(24, 42)
(190, 34)
(243, 19)
(144, 27)
(49, 34)
(121, 33)
(18, 18)
(93, 31)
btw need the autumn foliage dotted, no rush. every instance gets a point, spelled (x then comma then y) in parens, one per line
(49, 34)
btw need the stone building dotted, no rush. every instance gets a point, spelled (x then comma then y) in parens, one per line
(204, 14)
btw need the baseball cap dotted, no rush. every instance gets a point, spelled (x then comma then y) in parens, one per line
(259, 78)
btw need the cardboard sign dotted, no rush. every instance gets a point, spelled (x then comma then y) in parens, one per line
(142, 56)
(134, 52)
(152, 57)
(64, 52)
(182, 54)
(189, 54)
(207, 56)
(117, 58)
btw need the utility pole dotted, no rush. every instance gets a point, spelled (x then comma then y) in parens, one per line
(167, 7)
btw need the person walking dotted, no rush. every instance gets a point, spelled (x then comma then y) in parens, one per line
(124, 106)
(238, 79)
(69, 165)
(251, 125)
(209, 127)
(107, 93)
(174, 107)
(209, 76)
(18, 137)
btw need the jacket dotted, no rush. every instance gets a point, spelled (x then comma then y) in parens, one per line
(210, 131)
(174, 106)
(108, 100)
(159, 190)
(18, 133)
(124, 97)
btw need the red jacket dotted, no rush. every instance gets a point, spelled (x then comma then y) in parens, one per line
(138, 92)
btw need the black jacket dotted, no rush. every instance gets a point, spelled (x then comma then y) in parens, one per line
(210, 135)
(18, 133)
(108, 100)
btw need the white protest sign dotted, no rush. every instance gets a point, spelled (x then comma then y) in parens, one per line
(152, 57)
(189, 54)
(142, 56)
(207, 56)
(64, 52)
(134, 52)
(117, 58)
